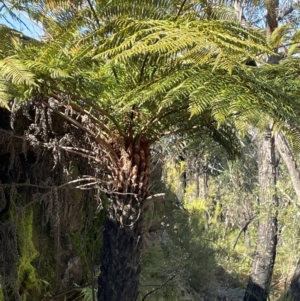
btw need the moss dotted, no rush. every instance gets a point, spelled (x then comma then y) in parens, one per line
(28, 278)
(1, 295)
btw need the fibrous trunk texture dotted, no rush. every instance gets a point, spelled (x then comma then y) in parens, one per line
(123, 232)
(264, 258)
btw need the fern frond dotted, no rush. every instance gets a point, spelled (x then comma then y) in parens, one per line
(12, 69)
(4, 96)
(166, 38)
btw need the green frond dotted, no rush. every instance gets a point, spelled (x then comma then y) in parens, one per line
(4, 96)
(180, 40)
(12, 69)
(143, 61)
(279, 35)
(293, 136)
(157, 9)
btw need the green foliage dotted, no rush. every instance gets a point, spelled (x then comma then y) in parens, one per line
(87, 294)
(215, 221)
(231, 201)
(28, 278)
(157, 269)
(168, 67)
(150, 69)
(175, 247)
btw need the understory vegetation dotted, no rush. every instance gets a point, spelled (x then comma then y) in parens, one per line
(206, 236)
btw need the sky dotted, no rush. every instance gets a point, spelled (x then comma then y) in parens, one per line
(26, 26)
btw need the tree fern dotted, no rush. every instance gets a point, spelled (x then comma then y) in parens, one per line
(137, 71)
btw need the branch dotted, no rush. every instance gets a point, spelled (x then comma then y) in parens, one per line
(152, 198)
(77, 151)
(48, 187)
(289, 198)
(70, 149)
(179, 131)
(70, 290)
(244, 228)
(285, 13)
(160, 287)
(238, 7)
(66, 186)
(104, 113)
(28, 18)
(115, 74)
(156, 196)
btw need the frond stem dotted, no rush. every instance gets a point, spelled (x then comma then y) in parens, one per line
(115, 74)
(94, 12)
(110, 151)
(180, 9)
(143, 67)
(95, 119)
(167, 133)
(96, 108)
(158, 118)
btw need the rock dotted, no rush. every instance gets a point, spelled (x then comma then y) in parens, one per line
(230, 294)
(73, 273)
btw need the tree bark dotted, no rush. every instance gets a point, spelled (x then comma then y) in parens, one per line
(263, 263)
(289, 160)
(124, 227)
(264, 258)
(291, 164)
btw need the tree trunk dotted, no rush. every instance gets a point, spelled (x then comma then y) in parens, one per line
(123, 230)
(289, 160)
(120, 262)
(263, 263)
(264, 258)
(201, 179)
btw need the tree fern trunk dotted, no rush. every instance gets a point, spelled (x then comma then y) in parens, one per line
(120, 261)
(123, 232)
(265, 253)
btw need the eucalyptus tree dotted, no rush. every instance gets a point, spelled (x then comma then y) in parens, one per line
(124, 74)
(272, 13)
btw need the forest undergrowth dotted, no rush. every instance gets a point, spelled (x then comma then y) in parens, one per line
(203, 235)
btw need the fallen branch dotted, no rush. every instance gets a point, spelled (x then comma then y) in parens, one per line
(243, 229)
(160, 287)
(152, 198)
